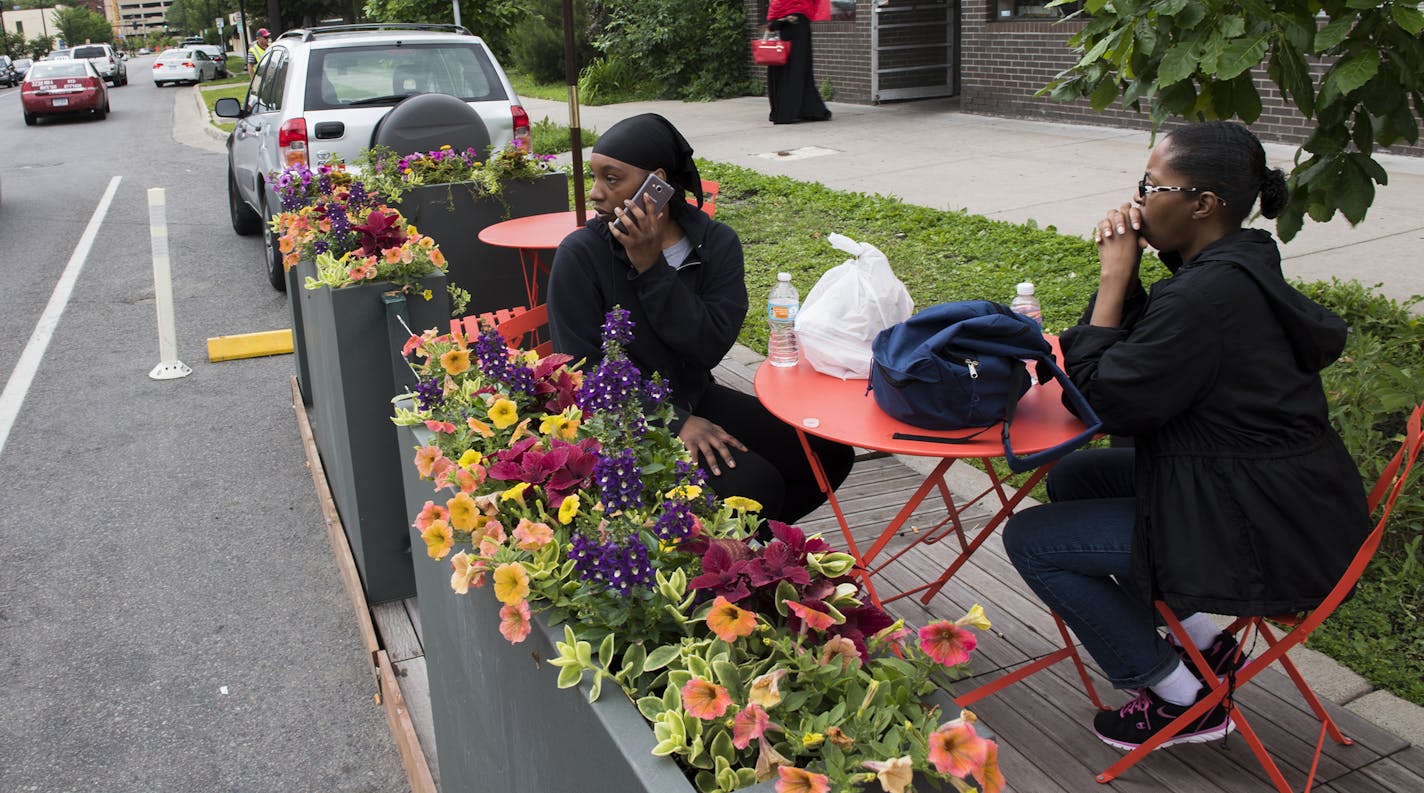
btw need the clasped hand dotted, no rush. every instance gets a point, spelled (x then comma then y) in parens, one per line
(642, 232)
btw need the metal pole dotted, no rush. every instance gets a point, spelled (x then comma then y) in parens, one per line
(575, 134)
(456, 5)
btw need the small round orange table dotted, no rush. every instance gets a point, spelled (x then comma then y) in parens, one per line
(530, 235)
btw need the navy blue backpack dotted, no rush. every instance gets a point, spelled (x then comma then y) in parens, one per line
(961, 365)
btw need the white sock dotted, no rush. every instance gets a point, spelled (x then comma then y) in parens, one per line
(1179, 687)
(1202, 630)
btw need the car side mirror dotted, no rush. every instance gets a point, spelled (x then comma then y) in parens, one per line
(227, 107)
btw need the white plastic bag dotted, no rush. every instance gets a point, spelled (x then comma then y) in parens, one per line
(844, 311)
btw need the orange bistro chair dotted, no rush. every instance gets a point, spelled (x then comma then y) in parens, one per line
(1381, 497)
(519, 326)
(709, 197)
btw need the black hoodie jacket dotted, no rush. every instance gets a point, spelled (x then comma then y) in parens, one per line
(1247, 501)
(685, 320)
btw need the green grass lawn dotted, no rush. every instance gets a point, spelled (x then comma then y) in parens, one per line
(943, 256)
(214, 91)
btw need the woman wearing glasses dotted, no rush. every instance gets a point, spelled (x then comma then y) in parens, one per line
(1238, 497)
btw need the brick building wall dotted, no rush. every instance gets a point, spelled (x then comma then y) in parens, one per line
(1002, 64)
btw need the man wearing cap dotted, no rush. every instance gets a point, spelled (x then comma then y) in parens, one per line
(257, 50)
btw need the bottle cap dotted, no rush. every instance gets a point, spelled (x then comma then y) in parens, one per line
(1025, 288)
(783, 277)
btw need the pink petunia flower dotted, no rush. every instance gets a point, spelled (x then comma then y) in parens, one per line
(531, 536)
(812, 617)
(430, 512)
(947, 643)
(751, 722)
(704, 699)
(514, 622)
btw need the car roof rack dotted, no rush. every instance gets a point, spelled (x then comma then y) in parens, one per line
(307, 34)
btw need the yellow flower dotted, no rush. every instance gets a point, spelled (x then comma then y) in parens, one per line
(568, 508)
(511, 583)
(515, 493)
(427, 294)
(462, 512)
(974, 618)
(470, 457)
(570, 429)
(549, 425)
(503, 413)
(685, 492)
(812, 739)
(438, 539)
(742, 503)
(766, 689)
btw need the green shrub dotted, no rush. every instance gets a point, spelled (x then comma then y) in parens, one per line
(549, 137)
(537, 48)
(681, 50)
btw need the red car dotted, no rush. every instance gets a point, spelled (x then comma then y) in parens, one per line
(56, 87)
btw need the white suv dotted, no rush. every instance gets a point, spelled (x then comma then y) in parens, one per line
(319, 93)
(106, 62)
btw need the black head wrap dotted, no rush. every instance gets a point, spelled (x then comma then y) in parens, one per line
(650, 142)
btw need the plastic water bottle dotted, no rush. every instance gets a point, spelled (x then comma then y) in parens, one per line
(781, 307)
(1026, 303)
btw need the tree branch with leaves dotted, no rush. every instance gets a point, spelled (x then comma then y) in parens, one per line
(1194, 59)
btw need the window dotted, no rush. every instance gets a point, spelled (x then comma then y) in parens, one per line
(1030, 9)
(384, 74)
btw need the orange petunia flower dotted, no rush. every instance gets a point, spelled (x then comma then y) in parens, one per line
(430, 512)
(425, 458)
(704, 699)
(730, 622)
(991, 778)
(531, 536)
(468, 571)
(438, 539)
(455, 361)
(957, 750)
(511, 583)
(814, 618)
(799, 780)
(462, 511)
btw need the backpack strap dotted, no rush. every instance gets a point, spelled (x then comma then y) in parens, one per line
(1081, 408)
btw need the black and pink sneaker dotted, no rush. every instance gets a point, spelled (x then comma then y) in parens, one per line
(1224, 655)
(1146, 715)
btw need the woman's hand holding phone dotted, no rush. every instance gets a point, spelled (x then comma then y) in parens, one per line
(639, 225)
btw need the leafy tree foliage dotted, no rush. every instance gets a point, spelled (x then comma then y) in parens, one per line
(80, 25)
(1193, 59)
(491, 20)
(537, 49)
(678, 50)
(195, 17)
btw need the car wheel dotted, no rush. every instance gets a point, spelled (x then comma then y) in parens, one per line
(244, 221)
(100, 112)
(30, 119)
(276, 273)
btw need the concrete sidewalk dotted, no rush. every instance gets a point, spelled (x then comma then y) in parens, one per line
(1062, 175)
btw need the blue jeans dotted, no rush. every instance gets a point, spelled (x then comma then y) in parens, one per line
(1076, 555)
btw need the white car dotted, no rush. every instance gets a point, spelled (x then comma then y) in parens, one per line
(188, 65)
(320, 93)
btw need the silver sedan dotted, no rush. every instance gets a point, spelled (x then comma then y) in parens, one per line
(183, 66)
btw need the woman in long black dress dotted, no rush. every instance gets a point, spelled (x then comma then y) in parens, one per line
(792, 88)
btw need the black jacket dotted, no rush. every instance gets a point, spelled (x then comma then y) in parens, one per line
(1247, 501)
(685, 320)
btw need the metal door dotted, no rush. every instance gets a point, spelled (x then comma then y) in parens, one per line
(913, 49)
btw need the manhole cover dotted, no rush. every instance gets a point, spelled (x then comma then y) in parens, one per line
(802, 153)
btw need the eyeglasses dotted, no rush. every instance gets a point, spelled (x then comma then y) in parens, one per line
(1144, 189)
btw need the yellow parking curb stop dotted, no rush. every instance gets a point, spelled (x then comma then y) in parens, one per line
(249, 345)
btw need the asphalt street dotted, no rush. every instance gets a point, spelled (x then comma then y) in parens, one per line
(170, 617)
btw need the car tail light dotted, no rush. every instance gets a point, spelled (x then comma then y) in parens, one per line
(157, 65)
(188, 64)
(292, 142)
(522, 138)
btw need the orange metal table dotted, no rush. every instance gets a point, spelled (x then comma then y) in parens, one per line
(842, 410)
(531, 235)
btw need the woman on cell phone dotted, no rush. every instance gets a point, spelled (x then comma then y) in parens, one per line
(792, 88)
(680, 274)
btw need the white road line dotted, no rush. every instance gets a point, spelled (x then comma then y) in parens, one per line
(24, 373)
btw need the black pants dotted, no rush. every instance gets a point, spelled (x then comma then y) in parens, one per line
(774, 470)
(792, 88)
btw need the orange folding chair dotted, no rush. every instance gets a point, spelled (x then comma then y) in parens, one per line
(709, 197)
(521, 327)
(1391, 482)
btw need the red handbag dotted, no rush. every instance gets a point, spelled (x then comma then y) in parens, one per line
(770, 51)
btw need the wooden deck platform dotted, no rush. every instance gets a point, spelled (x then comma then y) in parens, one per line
(1043, 724)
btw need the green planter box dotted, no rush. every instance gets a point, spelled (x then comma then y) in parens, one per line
(296, 305)
(498, 711)
(354, 365)
(453, 218)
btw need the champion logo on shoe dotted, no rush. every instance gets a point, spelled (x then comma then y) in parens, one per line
(1147, 714)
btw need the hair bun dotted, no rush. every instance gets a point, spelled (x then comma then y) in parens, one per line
(1274, 193)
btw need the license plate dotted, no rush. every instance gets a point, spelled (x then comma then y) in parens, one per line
(60, 102)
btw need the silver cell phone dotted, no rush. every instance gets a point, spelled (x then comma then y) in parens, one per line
(654, 186)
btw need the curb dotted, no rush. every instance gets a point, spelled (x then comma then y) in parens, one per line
(206, 118)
